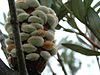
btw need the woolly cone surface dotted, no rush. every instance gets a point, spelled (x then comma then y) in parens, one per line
(37, 40)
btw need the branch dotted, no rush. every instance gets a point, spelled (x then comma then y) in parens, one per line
(53, 73)
(17, 39)
(93, 43)
(3, 45)
(61, 63)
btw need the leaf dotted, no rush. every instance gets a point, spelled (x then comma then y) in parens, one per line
(4, 15)
(2, 23)
(97, 4)
(64, 56)
(72, 22)
(98, 11)
(47, 3)
(58, 27)
(62, 11)
(87, 3)
(94, 22)
(55, 6)
(81, 49)
(82, 41)
(69, 30)
(78, 9)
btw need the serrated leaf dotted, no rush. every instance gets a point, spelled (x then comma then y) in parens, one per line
(72, 22)
(78, 9)
(96, 5)
(81, 49)
(47, 3)
(87, 3)
(94, 22)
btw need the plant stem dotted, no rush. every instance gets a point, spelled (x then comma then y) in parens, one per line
(53, 73)
(93, 43)
(17, 39)
(3, 45)
(61, 63)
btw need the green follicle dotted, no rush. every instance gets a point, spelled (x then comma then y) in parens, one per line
(44, 54)
(52, 20)
(35, 19)
(40, 14)
(37, 25)
(32, 3)
(36, 41)
(43, 8)
(22, 17)
(28, 48)
(32, 56)
(24, 36)
(28, 28)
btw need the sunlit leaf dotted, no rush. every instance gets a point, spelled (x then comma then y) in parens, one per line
(97, 4)
(94, 22)
(78, 9)
(81, 49)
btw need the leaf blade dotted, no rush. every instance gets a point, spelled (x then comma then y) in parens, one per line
(78, 9)
(94, 22)
(87, 3)
(81, 49)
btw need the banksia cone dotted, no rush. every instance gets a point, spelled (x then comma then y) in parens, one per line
(37, 28)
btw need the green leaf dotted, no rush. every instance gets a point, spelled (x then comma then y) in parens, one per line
(64, 56)
(98, 11)
(94, 22)
(87, 3)
(82, 41)
(2, 23)
(81, 49)
(62, 12)
(58, 27)
(70, 30)
(4, 15)
(55, 6)
(72, 22)
(78, 9)
(47, 3)
(97, 4)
